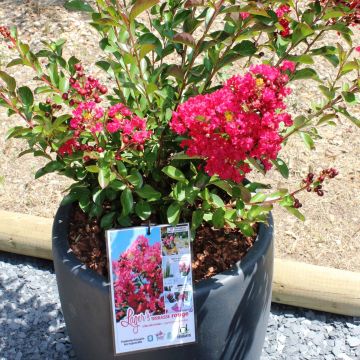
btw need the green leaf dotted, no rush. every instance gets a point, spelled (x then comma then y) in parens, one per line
(349, 97)
(242, 192)
(104, 177)
(224, 185)
(352, 118)
(306, 73)
(135, 178)
(149, 193)
(15, 62)
(258, 197)
(78, 5)
(246, 229)
(107, 220)
(92, 169)
(179, 191)
(326, 118)
(60, 120)
(9, 81)
(174, 173)
(218, 219)
(127, 201)
(197, 218)
(301, 32)
(331, 14)
(216, 200)
(259, 167)
(257, 210)
(173, 213)
(143, 210)
(282, 167)
(26, 96)
(327, 92)
(121, 168)
(309, 142)
(303, 59)
(245, 48)
(296, 213)
(140, 6)
(349, 66)
(145, 49)
(48, 168)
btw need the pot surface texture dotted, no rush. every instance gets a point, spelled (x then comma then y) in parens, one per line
(231, 308)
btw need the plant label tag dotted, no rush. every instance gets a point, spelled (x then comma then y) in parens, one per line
(151, 284)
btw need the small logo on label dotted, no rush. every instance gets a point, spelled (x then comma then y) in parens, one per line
(160, 335)
(150, 338)
(183, 332)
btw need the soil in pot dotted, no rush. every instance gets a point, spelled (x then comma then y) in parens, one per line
(214, 250)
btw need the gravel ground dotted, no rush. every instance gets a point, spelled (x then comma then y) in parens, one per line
(325, 238)
(32, 325)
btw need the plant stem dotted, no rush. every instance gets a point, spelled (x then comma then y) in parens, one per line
(197, 48)
(13, 107)
(318, 113)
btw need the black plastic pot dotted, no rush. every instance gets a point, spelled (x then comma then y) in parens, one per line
(232, 308)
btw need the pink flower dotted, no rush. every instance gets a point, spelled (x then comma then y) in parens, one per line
(122, 119)
(113, 126)
(244, 15)
(282, 10)
(288, 65)
(357, 49)
(237, 122)
(68, 147)
(87, 114)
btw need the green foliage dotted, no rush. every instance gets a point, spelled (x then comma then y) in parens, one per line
(156, 64)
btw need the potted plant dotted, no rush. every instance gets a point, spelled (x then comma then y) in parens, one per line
(175, 137)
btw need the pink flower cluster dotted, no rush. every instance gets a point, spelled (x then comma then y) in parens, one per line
(169, 242)
(239, 121)
(132, 127)
(138, 279)
(69, 147)
(281, 11)
(87, 116)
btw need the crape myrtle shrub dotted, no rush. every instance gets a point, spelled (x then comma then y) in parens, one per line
(172, 138)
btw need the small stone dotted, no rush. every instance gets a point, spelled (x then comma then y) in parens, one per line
(343, 356)
(60, 347)
(353, 341)
(318, 339)
(336, 351)
(329, 328)
(14, 326)
(328, 357)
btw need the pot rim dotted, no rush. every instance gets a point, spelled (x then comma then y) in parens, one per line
(63, 252)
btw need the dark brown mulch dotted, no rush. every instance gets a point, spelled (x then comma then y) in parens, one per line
(214, 250)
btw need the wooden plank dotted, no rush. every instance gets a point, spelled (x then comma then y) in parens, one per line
(316, 287)
(25, 234)
(294, 283)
